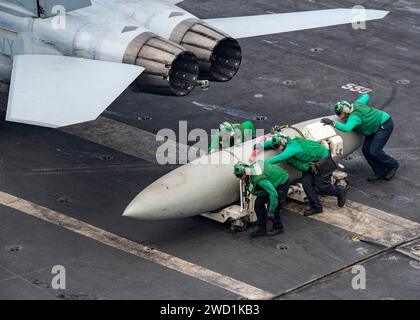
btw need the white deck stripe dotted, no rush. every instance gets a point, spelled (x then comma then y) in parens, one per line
(364, 220)
(123, 138)
(240, 288)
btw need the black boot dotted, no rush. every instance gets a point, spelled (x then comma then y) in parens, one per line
(276, 226)
(392, 172)
(258, 232)
(341, 198)
(374, 177)
(311, 212)
(275, 230)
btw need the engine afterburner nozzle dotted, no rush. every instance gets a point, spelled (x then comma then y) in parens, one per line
(218, 54)
(170, 69)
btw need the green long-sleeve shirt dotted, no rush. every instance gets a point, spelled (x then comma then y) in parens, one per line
(272, 192)
(354, 120)
(293, 148)
(264, 180)
(364, 98)
(246, 129)
(268, 144)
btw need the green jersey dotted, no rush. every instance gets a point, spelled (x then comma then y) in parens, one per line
(246, 130)
(301, 154)
(364, 119)
(264, 180)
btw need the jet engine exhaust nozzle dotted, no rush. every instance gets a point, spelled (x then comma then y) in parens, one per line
(218, 54)
(169, 68)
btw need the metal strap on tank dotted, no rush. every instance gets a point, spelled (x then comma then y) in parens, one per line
(298, 131)
(293, 128)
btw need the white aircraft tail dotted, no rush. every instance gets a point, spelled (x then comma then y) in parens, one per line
(57, 91)
(239, 27)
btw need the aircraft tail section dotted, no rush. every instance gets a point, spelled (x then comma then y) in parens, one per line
(238, 27)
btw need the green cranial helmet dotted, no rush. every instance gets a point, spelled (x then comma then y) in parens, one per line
(342, 106)
(249, 129)
(275, 129)
(226, 127)
(278, 140)
(275, 141)
(239, 169)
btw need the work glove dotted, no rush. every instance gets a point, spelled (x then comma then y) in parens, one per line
(257, 149)
(327, 121)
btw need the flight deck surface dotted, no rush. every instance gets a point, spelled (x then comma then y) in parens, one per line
(82, 174)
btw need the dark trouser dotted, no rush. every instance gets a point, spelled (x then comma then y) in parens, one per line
(373, 146)
(261, 210)
(311, 181)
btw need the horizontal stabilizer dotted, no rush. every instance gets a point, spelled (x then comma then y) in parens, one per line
(174, 1)
(57, 91)
(252, 26)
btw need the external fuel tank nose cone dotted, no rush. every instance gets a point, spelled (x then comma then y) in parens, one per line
(200, 186)
(138, 210)
(208, 183)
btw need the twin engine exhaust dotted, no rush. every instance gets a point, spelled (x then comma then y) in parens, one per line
(170, 69)
(194, 52)
(219, 56)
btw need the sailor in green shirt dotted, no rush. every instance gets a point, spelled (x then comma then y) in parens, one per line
(376, 126)
(301, 154)
(270, 184)
(231, 134)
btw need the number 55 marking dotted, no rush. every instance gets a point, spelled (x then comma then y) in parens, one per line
(356, 88)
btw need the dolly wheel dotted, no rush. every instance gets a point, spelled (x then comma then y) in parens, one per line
(344, 183)
(237, 225)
